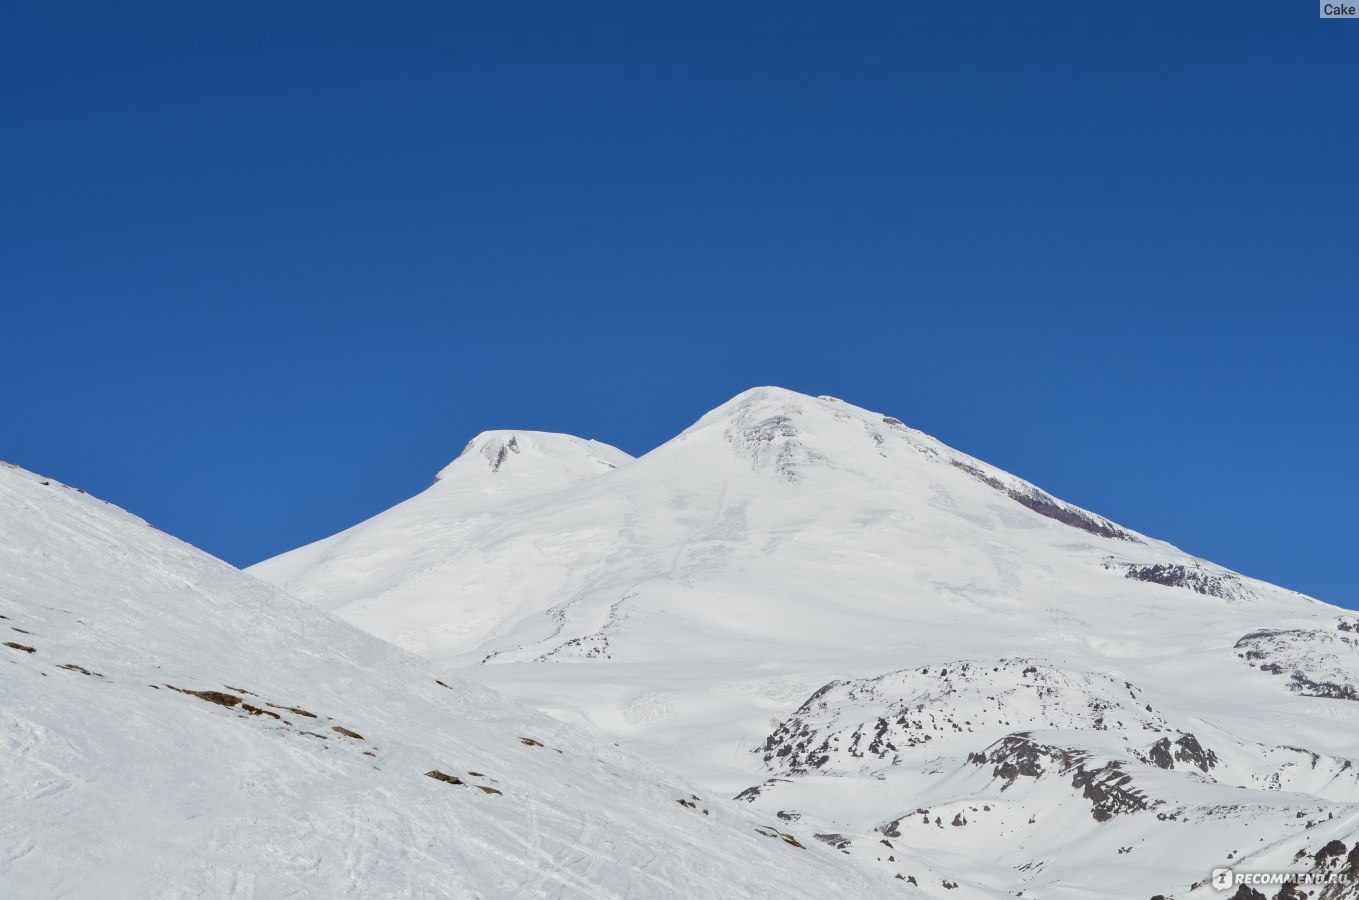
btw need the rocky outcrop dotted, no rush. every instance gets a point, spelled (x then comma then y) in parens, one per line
(867, 723)
(497, 453)
(1193, 577)
(773, 443)
(1108, 786)
(1316, 662)
(1185, 750)
(1046, 505)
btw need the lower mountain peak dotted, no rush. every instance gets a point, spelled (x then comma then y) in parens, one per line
(536, 455)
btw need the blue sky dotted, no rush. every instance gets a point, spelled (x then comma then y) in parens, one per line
(266, 268)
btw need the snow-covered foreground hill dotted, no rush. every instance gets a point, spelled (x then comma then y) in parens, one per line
(950, 676)
(173, 728)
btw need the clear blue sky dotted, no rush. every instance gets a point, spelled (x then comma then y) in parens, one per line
(265, 268)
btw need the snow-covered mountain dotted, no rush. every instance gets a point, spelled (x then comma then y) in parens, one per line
(171, 728)
(944, 672)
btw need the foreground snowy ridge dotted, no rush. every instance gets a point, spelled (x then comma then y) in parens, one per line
(951, 677)
(174, 728)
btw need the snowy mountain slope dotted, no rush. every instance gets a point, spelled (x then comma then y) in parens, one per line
(868, 725)
(497, 469)
(932, 762)
(689, 602)
(170, 727)
(1055, 814)
(1318, 662)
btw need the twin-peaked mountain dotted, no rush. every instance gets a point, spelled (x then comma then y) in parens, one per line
(945, 672)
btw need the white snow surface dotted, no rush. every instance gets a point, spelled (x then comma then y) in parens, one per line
(171, 727)
(1115, 734)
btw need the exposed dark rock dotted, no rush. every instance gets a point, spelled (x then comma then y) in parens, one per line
(72, 667)
(772, 442)
(1193, 577)
(1335, 848)
(221, 699)
(230, 701)
(1317, 662)
(340, 729)
(501, 453)
(256, 711)
(590, 646)
(754, 791)
(1186, 749)
(1189, 750)
(1262, 633)
(901, 711)
(1330, 690)
(770, 429)
(768, 831)
(1049, 506)
(1159, 754)
(22, 647)
(1108, 787)
(1018, 756)
(440, 776)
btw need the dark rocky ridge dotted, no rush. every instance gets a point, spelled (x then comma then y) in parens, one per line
(1185, 749)
(1108, 787)
(1046, 505)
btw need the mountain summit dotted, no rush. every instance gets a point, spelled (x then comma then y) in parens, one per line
(849, 624)
(541, 459)
(497, 469)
